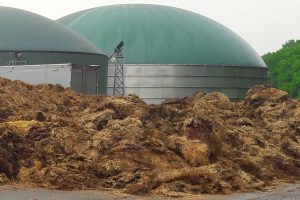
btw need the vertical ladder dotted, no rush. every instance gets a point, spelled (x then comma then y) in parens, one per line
(119, 76)
(119, 70)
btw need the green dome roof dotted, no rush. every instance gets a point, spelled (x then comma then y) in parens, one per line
(24, 31)
(155, 34)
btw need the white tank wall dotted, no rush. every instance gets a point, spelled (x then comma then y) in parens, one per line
(155, 83)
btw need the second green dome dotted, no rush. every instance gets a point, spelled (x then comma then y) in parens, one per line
(155, 34)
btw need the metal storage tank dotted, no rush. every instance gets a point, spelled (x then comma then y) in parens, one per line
(30, 39)
(170, 52)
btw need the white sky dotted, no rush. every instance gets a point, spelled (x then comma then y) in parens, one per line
(264, 24)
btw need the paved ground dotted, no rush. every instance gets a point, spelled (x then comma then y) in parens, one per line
(286, 192)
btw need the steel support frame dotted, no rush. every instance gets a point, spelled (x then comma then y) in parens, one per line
(119, 86)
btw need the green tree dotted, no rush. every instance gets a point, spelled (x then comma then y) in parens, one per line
(284, 68)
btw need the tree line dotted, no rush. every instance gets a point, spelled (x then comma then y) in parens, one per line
(284, 68)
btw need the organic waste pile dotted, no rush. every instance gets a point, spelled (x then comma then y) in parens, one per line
(56, 138)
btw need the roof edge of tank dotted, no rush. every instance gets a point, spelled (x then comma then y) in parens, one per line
(202, 65)
(43, 51)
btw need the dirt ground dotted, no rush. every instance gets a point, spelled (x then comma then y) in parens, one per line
(286, 192)
(55, 138)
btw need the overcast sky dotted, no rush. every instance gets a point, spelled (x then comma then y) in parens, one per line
(264, 24)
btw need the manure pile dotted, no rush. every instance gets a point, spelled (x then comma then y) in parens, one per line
(55, 138)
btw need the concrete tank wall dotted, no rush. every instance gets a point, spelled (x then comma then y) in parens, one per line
(155, 83)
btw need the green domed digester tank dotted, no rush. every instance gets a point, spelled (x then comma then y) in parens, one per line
(31, 39)
(170, 52)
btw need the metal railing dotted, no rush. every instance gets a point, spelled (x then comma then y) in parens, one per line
(16, 62)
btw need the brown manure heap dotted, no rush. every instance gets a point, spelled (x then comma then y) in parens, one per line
(56, 138)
